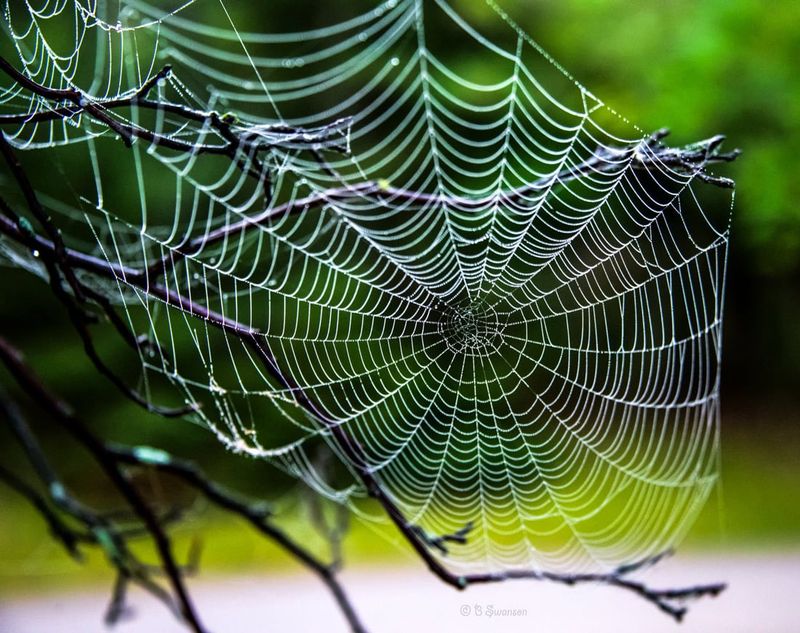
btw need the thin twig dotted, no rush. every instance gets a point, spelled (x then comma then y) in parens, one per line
(30, 383)
(113, 458)
(257, 514)
(242, 144)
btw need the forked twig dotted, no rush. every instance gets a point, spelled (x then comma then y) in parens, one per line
(102, 531)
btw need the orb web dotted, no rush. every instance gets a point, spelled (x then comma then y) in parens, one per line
(452, 248)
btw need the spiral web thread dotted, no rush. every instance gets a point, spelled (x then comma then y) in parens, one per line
(529, 353)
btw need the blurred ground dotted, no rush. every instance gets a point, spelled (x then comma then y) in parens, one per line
(762, 598)
(747, 535)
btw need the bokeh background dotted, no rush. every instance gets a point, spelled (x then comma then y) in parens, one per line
(698, 67)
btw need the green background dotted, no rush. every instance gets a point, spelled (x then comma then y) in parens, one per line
(699, 68)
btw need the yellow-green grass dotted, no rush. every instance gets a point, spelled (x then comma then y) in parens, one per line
(757, 506)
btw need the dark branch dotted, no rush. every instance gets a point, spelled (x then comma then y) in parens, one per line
(649, 155)
(243, 144)
(670, 601)
(256, 514)
(440, 542)
(103, 531)
(60, 413)
(352, 450)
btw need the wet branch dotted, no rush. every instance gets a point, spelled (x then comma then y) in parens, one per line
(108, 533)
(243, 144)
(61, 264)
(116, 547)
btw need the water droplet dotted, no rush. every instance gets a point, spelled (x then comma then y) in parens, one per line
(248, 85)
(395, 61)
(391, 4)
(362, 37)
(299, 62)
(35, 253)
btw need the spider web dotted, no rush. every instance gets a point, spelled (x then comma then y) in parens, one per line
(516, 343)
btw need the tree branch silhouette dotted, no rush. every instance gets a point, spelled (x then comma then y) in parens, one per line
(62, 263)
(103, 531)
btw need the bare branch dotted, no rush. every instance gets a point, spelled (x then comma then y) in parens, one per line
(102, 531)
(242, 144)
(30, 383)
(670, 601)
(649, 155)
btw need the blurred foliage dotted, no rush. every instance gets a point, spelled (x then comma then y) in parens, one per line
(699, 68)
